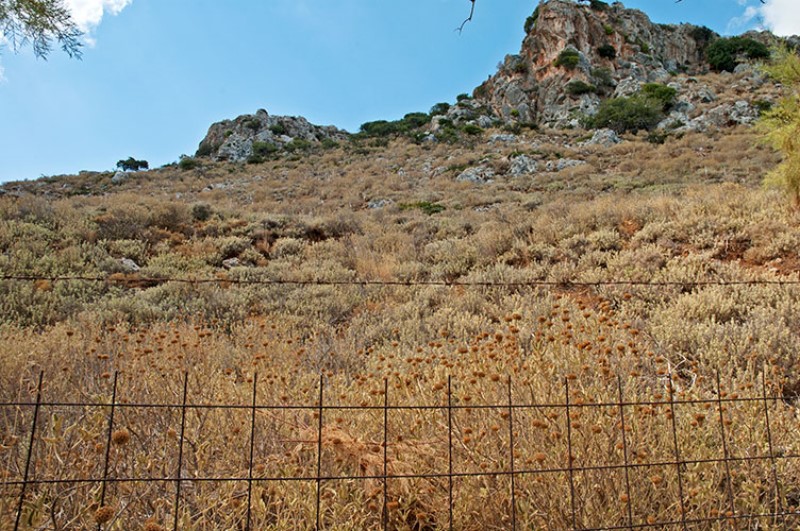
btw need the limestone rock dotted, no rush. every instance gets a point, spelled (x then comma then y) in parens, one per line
(522, 165)
(128, 265)
(230, 263)
(562, 164)
(603, 137)
(503, 138)
(478, 175)
(529, 87)
(233, 139)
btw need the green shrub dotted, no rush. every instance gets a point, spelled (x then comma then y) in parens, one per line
(576, 87)
(414, 120)
(608, 29)
(131, 164)
(602, 77)
(298, 144)
(627, 114)
(278, 129)
(425, 206)
(201, 211)
(702, 35)
(607, 51)
(440, 108)
(598, 5)
(385, 128)
(763, 106)
(206, 149)
(264, 149)
(472, 129)
(252, 123)
(329, 143)
(530, 22)
(188, 163)
(660, 93)
(568, 58)
(521, 67)
(462, 97)
(724, 54)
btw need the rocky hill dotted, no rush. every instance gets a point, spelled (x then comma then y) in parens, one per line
(576, 55)
(254, 137)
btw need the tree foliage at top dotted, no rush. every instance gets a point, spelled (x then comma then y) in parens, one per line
(726, 53)
(781, 124)
(40, 23)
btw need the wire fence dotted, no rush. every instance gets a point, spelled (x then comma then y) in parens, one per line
(776, 501)
(136, 280)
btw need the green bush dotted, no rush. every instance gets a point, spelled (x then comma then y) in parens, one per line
(608, 29)
(462, 97)
(576, 87)
(328, 143)
(264, 149)
(724, 54)
(602, 77)
(627, 114)
(201, 211)
(131, 164)
(278, 129)
(530, 22)
(472, 129)
(425, 206)
(385, 128)
(702, 35)
(607, 51)
(188, 163)
(440, 108)
(252, 123)
(568, 59)
(598, 5)
(660, 93)
(298, 144)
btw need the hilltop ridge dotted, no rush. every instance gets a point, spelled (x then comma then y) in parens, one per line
(573, 57)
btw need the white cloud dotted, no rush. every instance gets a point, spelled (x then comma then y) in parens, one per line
(781, 16)
(87, 14)
(736, 24)
(2, 74)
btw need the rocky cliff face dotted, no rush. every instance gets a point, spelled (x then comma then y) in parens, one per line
(612, 48)
(259, 134)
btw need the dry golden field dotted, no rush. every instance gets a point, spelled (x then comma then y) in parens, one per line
(543, 251)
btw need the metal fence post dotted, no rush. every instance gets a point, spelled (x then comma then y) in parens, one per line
(30, 451)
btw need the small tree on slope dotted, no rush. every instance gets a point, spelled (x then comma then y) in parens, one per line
(781, 124)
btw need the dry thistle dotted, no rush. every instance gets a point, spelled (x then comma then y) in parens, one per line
(104, 514)
(121, 436)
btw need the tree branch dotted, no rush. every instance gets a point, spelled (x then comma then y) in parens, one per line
(469, 18)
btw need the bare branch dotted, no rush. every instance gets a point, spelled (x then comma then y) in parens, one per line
(469, 18)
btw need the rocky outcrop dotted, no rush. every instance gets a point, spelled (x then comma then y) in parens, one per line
(234, 140)
(605, 50)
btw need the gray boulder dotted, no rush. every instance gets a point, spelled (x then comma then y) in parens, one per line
(522, 165)
(562, 164)
(128, 265)
(504, 138)
(478, 175)
(603, 137)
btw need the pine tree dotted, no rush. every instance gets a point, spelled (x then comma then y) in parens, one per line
(39, 23)
(781, 124)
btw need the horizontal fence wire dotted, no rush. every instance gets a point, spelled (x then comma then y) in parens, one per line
(134, 280)
(570, 469)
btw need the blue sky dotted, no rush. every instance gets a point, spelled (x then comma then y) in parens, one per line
(157, 73)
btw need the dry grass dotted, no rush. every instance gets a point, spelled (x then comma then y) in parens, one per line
(689, 210)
